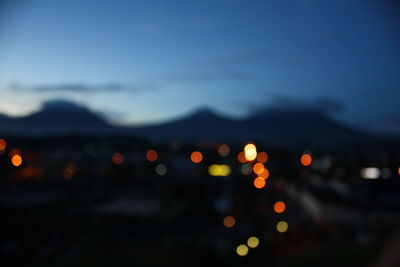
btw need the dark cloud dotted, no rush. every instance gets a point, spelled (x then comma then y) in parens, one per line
(206, 77)
(322, 105)
(82, 88)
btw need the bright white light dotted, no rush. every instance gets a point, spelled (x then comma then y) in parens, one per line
(370, 173)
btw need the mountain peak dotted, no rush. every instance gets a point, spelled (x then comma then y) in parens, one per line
(60, 104)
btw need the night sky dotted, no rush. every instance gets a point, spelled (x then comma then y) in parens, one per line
(142, 62)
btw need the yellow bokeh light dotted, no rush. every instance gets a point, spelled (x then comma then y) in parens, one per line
(250, 152)
(16, 160)
(253, 242)
(219, 170)
(282, 226)
(242, 250)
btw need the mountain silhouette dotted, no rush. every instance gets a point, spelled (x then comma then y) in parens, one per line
(57, 117)
(277, 126)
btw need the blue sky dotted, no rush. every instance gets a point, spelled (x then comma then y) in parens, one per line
(147, 61)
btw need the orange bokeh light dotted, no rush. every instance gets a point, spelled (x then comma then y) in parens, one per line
(16, 160)
(265, 174)
(279, 207)
(398, 170)
(3, 144)
(117, 158)
(259, 182)
(306, 159)
(196, 157)
(229, 221)
(151, 155)
(258, 168)
(262, 157)
(241, 157)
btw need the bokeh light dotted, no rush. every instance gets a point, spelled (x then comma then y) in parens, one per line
(229, 221)
(370, 173)
(69, 171)
(151, 155)
(262, 157)
(265, 174)
(250, 152)
(259, 182)
(3, 145)
(242, 250)
(196, 157)
(241, 157)
(306, 159)
(219, 170)
(279, 207)
(16, 160)
(224, 150)
(253, 242)
(161, 169)
(282, 226)
(258, 168)
(117, 158)
(246, 169)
